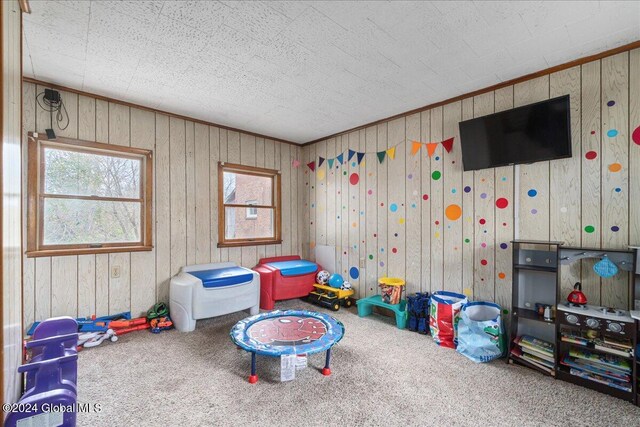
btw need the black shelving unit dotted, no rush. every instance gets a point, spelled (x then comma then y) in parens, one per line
(535, 280)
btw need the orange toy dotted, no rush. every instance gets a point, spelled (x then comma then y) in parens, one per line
(123, 331)
(118, 324)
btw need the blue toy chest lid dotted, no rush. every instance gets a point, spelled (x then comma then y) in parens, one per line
(296, 267)
(221, 277)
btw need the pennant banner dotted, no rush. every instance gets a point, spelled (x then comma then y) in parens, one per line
(391, 152)
(330, 161)
(431, 148)
(351, 154)
(340, 158)
(360, 157)
(448, 144)
(415, 147)
(312, 166)
(320, 161)
(381, 155)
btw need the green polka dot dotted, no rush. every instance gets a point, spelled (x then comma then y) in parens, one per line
(344, 173)
(436, 175)
(589, 229)
(505, 311)
(467, 240)
(370, 256)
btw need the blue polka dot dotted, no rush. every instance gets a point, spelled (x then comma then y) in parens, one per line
(532, 193)
(313, 205)
(618, 189)
(393, 207)
(354, 273)
(467, 189)
(353, 164)
(453, 190)
(615, 228)
(503, 246)
(437, 158)
(413, 205)
(504, 178)
(612, 132)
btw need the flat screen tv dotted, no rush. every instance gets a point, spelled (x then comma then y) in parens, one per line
(528, 134)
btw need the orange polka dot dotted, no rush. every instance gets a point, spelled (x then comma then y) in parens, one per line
(502, 275)
(312, 245)
(615, 167)
(453, 212)
(354, 225)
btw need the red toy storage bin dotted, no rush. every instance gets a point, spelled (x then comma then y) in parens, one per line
(276, 287)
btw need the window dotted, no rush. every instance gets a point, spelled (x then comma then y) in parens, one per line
(87, 197)
(252, 213)
(249, 211)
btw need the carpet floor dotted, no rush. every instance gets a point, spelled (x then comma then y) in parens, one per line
(380, 376)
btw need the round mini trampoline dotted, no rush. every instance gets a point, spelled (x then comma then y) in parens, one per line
(278, 333)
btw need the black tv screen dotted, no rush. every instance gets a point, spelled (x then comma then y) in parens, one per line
(532, 133)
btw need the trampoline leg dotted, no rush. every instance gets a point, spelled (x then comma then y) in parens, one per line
(253, 378)
(326, 371)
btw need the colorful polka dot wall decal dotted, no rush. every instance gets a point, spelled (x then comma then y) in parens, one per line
(593, 132)
(410, 176)
(353, 164)
(321, 174)
(615, 167)
(467, 189)
(370, 256)
(354, 178)
(532, 193)
(401, 221)
(590, 155)
(482, 221)
(611, 103)
(354, 273)
(502, 203)
(425, 197)
(395, 234)
(501, 275)
(612, 133)
(453, 212)
(453, 191)
(344, 173)
(484, 245)
(504, 178)
(370, 192)
(635, 136)
(393, 207)
(589, 229)
(534, 211)
(484, 262)
(394, 250)
(615, 228)
(483, 195)
(617, 189)
(503, 246)
(381, 264)
(437, 158)
(467, 240)
(436, 175)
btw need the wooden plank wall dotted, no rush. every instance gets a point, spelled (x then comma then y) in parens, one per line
(404, 204)
(186, 156)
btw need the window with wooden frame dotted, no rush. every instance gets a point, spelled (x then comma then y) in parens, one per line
(249, 206)
(87, 197)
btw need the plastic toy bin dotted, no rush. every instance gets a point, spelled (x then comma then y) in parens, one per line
(391, 289)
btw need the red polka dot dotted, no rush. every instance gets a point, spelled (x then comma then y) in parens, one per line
(425, 197)
(375, 234)
(593, 132)
(504, 224)
(381, 204)
(483, 262)
(590, 155)
(502, 203)
(482, 221)
(354, 178)
(437, 222)
(394, 250)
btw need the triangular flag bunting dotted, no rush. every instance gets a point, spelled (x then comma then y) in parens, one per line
(330, 161)
(431, 148)
(415, 147)
(448, 144)
(340, 158)
(360, 157)
(391, 152)
(381, 156)
(320, 161)
(312, 166)
(351, 154)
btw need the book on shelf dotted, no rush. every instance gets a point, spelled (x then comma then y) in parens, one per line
(535, 344)
(617, 343)
(574, 337)
(609, 361)
(544, 356)
(537, 362)
(602, 346)
(576, 363)
(600, 379)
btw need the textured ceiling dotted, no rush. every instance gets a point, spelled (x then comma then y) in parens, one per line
(303, 70)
